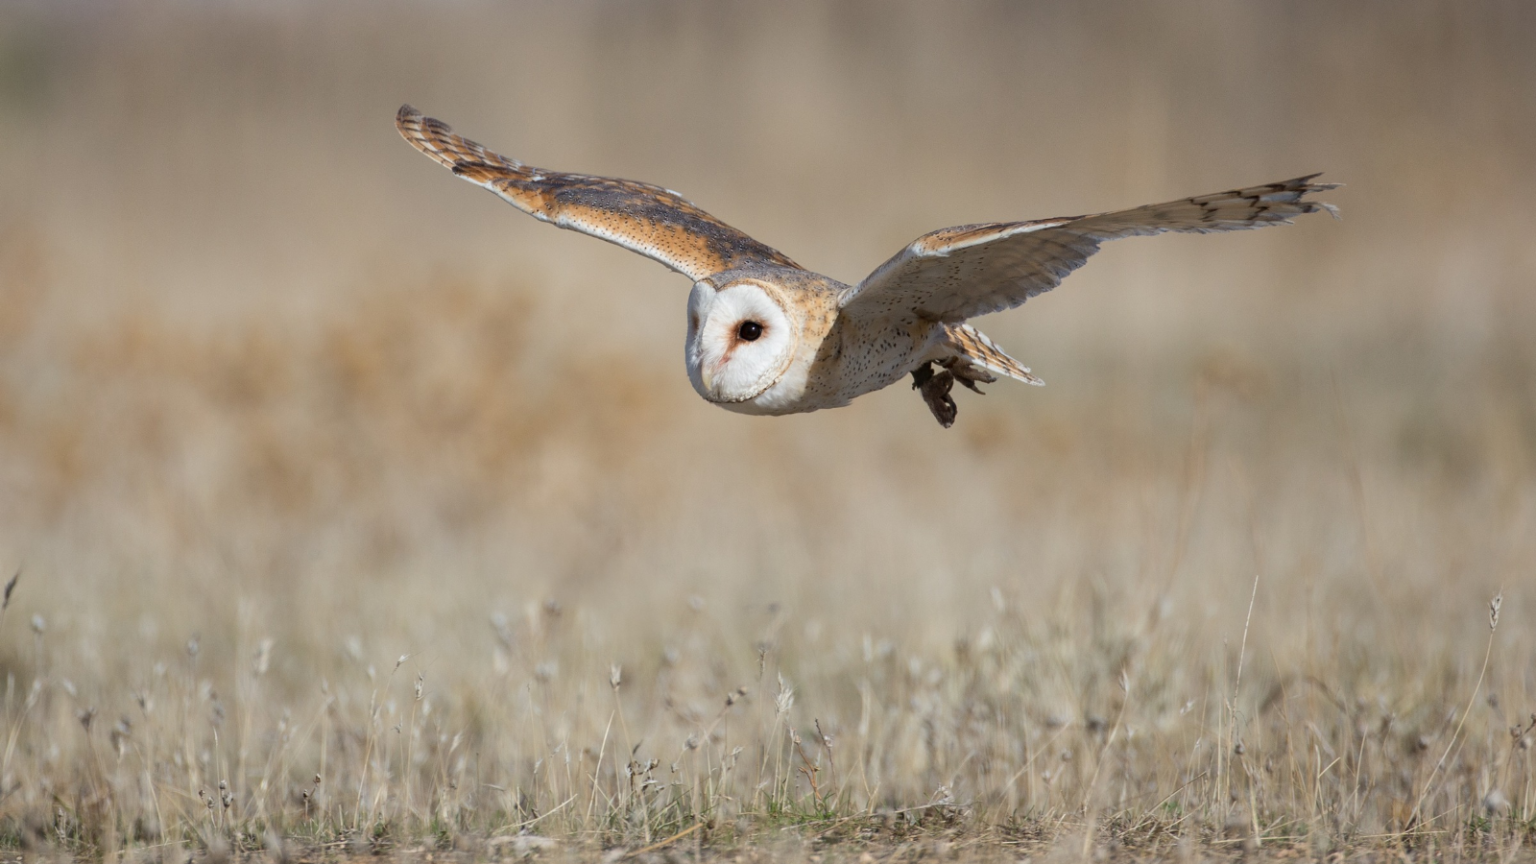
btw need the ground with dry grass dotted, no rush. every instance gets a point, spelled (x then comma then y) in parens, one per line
(357, 514)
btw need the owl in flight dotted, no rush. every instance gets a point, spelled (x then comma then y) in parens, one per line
(766, 336)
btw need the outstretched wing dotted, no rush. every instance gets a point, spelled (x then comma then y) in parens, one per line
(658, 223)
(959, 273)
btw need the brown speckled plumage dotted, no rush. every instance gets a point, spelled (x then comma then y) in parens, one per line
(653, 221)
(907, 317)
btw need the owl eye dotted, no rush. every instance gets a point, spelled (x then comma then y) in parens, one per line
(749, 331)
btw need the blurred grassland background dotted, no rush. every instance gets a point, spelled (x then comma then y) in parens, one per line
(282, 402)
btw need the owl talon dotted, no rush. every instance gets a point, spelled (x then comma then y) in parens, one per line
(968, 374)
(935, 387)
(921, 374)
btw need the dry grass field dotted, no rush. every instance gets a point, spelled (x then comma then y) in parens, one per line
(357, 513)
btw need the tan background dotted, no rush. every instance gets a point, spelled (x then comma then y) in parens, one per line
(266, 372)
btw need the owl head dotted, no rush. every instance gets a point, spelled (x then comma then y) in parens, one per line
(740, 341)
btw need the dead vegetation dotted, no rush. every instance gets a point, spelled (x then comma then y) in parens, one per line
(330, 548)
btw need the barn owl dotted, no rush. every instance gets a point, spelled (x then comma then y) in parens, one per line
(766, 336)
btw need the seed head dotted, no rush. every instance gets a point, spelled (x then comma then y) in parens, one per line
(9, 587)
(120, 734)
(786, 698)
(1493, 610)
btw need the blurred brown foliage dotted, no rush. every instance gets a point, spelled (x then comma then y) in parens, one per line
(264, 370)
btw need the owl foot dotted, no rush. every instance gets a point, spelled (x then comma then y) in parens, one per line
(935, 387)
(968, 374)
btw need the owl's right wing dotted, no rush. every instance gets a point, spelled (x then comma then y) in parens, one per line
(658, 223)
(959, 273)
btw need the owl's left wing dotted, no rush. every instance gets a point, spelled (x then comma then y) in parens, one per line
(658, 223)
(958, 273)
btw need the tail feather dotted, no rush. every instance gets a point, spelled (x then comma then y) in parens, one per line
(973, 346)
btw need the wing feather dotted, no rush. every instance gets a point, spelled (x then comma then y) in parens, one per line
(958, 273)
(655, 222)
